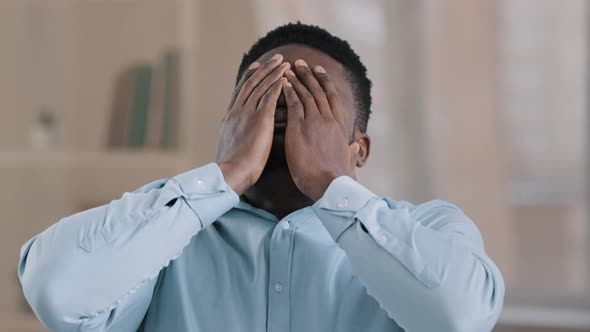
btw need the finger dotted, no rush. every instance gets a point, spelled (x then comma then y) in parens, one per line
(330, 91)
(305, 97)
(249, 72)
(268, 102)
(253, 81)
(260, 90)
(295, 114)
(311, 83)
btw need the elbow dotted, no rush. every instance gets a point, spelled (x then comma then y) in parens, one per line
(472, 316)
(45, 302)
(47, 293)
(478, 308)
(49, 301)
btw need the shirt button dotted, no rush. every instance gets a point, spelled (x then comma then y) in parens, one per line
(278, 287)
(342, 203)
(285, 224)
(201, 185)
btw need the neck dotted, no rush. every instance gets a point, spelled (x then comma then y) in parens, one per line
(276, 193)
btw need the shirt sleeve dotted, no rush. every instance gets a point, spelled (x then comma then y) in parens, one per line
(96, 270)
(425, 265)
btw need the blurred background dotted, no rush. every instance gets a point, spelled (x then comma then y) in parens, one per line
(483, 103)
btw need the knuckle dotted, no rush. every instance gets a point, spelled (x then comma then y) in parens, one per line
(249, 73)
(306, 94)
(317, 90)
(266, 83)
(275, 85)
(244, 79)
(263, 100)
(330, 93)
(249, 84)
(255, 89)
(306, 70)
(294, 104)
(267, 67)
(251, 104)
(256, 93)
(307, 77)
(247, 77)
(302, 73)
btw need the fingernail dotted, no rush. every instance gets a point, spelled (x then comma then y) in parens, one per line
(290, 72)
(282, 80)
(276, 57)
(288, 84)
(286, 65)
(320, 69)
(301, 63)
(254, 65)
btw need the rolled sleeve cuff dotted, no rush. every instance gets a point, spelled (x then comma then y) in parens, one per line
(207, 193)
(341, 201)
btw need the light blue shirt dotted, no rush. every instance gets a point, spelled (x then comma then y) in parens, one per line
(186, 254)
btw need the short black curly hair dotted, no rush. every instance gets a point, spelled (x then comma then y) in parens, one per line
(315, 37)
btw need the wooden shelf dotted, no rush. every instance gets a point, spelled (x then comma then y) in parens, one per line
(109, 159)
(536, 316)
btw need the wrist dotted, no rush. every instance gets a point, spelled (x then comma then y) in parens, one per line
(322, 185)
(235, 177)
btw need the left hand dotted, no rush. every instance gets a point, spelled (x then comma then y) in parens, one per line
(316, 139)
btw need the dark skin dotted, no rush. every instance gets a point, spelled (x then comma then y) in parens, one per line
(289, 130)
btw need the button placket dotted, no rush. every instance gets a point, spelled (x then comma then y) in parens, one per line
(281, 247)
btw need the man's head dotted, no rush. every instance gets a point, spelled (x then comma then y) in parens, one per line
(317, 47)
(293, 39)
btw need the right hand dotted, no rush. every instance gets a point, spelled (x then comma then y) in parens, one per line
(246, 132)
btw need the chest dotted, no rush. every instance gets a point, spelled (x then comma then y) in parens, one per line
(248, 274)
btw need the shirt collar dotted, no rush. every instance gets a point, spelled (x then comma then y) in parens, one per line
(304, 212)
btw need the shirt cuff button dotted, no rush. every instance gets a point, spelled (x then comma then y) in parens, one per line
(342, 203)
(201, 185)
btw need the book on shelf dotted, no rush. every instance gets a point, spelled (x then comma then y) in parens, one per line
(156, 113)
(145, 105)
(140, 105)
(163, 117)
(121, 104)
(171, 99)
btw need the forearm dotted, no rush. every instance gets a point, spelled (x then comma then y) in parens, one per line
(416, 261)
(90, 262)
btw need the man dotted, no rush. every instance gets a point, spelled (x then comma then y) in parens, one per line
(276, 235)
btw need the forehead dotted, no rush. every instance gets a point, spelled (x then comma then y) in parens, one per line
(313, 57)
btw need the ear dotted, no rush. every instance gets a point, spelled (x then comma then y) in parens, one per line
(365, 147)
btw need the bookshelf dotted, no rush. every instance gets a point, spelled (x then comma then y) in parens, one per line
(60, 64)
(109, 159)
(63, 57)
